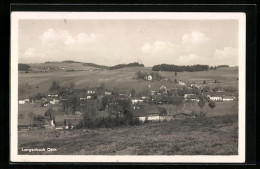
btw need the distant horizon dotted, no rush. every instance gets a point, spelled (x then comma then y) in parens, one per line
(123, 63)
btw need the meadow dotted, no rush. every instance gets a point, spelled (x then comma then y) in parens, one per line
(216, 135)
(32, 83)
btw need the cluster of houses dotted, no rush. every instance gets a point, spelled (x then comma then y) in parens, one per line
(145, 107)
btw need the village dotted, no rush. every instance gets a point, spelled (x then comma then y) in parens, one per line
(150, 105)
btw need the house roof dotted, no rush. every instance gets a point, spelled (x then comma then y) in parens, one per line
(27, 122)
(192, 97)
(78, 91)
(61, 118)
(101, 114)
(155, 110)
(139, 112)
(171, 98)
(73, 122)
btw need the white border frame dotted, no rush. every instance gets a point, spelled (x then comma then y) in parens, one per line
(16, 16)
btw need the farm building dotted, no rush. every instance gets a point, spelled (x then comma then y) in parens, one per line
(163, 89)
(153, 92)
(187, 96)
(157, 99)
(108, 93)
(145, 97)
(216, 98)
(25, 124)
(53, 94)
(77, 113)
(91, 92)
(136, 100)
(62, 122)
(21, 102)
(71, 123)
(149, 78)
(54, 101)
(181, 83)
(194, 98)
(228, 98)
(150, 113)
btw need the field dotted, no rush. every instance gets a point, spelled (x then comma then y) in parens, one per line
(32, 83)
(199, 136)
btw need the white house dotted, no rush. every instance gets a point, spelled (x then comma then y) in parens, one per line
(54, 101)
(149, 77)
(77, 113)
(107, 93)
(215, 98)
(145, 97)
(187, 95)
(26, 100)
(193, 85)
(164, 89)
(181, 83)
(134, 101)
(52, 95)
(90, 91)
(153, 92)
(89, 97)
(45, 104)
(228, 98)
(21, 102)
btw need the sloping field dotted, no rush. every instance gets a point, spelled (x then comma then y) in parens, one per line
(122, 78)
(200, 136)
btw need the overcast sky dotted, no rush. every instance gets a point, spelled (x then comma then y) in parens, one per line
(111, 42)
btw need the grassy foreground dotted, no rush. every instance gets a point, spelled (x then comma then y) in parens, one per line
(193, 136)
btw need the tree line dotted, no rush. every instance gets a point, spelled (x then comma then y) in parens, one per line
(119, 66)
(23, 67)
(176, 68)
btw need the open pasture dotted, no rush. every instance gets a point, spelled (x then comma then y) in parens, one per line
(193, 136)
(121, 78)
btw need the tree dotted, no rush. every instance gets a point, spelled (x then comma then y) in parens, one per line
(51, 113)
(89, 112)
(23, 67)
(101, 89)
(132, 92)
(201, 104)
(175, 81)
(39, 118)
(55, 86)
(31, 115)
(115, 91)
(74, 101)
(212, 105)
(181, 93)
(72, 85)
(69, 126)
(206, 89)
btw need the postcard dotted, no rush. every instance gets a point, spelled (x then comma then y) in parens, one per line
(128, 87)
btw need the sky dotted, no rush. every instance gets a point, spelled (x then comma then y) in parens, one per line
(111, 42)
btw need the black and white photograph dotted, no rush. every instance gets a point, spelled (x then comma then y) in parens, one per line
(127, 87)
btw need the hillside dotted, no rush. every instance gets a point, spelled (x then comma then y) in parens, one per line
(86, 76)
(200, 136)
